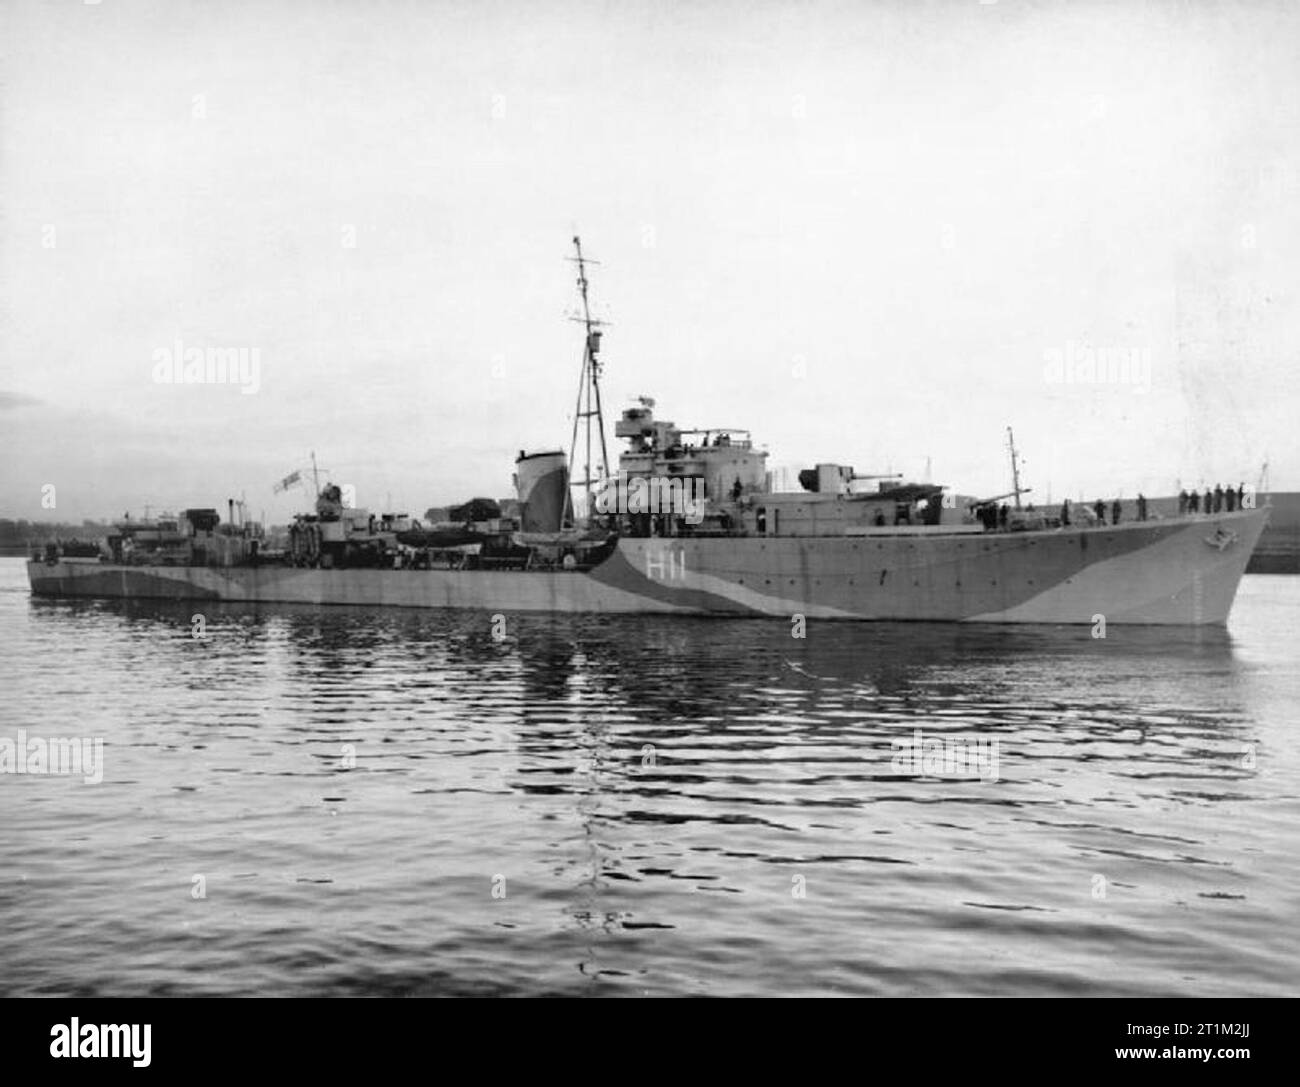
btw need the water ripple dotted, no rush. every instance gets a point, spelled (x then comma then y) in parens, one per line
(357, 801)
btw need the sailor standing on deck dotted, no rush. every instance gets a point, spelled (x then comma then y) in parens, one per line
(1218, 498)
(1065, 514)
(1142, 505)
(1182, 502)
(1099, 508)
(1114, 512)
(1194, 502)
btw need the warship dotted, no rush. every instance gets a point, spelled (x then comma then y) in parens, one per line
(689, 524)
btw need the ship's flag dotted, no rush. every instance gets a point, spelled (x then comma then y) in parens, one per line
(287, 482)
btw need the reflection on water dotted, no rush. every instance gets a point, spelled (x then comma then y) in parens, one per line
(396, 802)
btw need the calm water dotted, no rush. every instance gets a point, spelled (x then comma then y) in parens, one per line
(609, 806)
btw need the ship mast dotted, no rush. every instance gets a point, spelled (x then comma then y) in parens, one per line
(1015, 466)
(588, 406)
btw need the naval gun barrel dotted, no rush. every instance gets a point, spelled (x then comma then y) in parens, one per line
(997, 498)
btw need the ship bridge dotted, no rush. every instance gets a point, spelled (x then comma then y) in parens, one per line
(723, 458)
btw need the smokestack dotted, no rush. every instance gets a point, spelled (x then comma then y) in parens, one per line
(541, 483)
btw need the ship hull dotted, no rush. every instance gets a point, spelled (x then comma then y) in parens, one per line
(1180, 572)
(1278, 551)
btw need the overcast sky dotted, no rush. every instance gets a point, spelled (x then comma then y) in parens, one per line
(864, 231)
